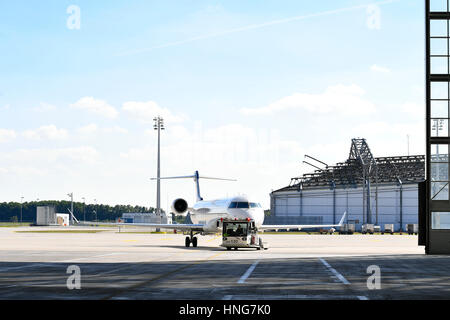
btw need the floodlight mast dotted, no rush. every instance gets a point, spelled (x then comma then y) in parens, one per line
(158, 125)
(21, 204)
(71, 207)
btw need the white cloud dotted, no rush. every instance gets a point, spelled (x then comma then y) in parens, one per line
(93, 128)
(44, 107)
(115, 129)
(7, 135)
(88, 129)
(25, 171)
(96, 106)
(376, 68)
(83, 154)
(390, 139)
(259, 158)
(415, 109)
(339, 99)
(146, 111)
(50, 132)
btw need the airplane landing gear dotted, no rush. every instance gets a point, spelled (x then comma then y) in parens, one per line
(190, 240)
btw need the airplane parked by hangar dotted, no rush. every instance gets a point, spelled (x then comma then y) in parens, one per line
(239, 219)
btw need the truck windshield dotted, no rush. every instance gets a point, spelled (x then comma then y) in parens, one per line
(235, 229)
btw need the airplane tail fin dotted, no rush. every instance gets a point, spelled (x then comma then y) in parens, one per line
(196, 178)
(341, 222)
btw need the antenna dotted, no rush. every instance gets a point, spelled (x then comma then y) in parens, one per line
(407, 141)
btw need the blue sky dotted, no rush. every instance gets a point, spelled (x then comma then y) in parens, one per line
(269, 81)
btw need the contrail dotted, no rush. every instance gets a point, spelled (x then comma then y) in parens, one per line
(254, 26)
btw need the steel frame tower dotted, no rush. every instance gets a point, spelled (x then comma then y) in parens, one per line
(437, 200)
(360, 151)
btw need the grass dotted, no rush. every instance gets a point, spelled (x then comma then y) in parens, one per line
(14, 224)
(143, 232)
(61, 231)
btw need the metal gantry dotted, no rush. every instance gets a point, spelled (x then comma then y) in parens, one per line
(436, 193)
(360, 152)
(359, 170)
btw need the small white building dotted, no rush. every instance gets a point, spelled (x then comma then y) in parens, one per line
(45, 216)
(63, 219)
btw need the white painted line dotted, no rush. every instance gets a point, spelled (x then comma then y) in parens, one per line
(248, 272)
(337, 274)
(90, 257)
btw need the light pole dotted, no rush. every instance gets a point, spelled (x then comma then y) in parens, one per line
(158, 125)
(407, 141)
(21, 201)
(95, 211)
(71, 207)
(84, 208)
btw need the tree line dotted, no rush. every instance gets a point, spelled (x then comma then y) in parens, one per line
(12, 211)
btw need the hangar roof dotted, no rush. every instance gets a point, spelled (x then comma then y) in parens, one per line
(359, 166)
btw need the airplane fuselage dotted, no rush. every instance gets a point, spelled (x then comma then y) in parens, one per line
(209, 212)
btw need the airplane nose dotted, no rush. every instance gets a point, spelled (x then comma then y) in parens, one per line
(254, 215)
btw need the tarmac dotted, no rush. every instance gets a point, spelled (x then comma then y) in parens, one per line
(37, 264)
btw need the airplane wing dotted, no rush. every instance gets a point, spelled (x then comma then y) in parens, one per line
(181, 227)
(303, 226)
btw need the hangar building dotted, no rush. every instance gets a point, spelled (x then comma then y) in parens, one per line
(372, 190)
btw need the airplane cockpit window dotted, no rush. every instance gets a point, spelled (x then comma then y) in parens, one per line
(242, 205)
(232, 205)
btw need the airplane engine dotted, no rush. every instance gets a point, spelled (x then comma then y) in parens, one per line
(179, 206)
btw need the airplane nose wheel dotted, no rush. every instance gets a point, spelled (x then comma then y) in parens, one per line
(190, 240)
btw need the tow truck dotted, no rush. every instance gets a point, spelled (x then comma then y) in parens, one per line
(241, 234)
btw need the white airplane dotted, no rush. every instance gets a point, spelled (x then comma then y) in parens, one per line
(207, 216)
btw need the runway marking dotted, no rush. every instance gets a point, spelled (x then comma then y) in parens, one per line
(118, 292)
(212, 239)
(248, 272)
(337, 274)
(131, 266)
(90, 257)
